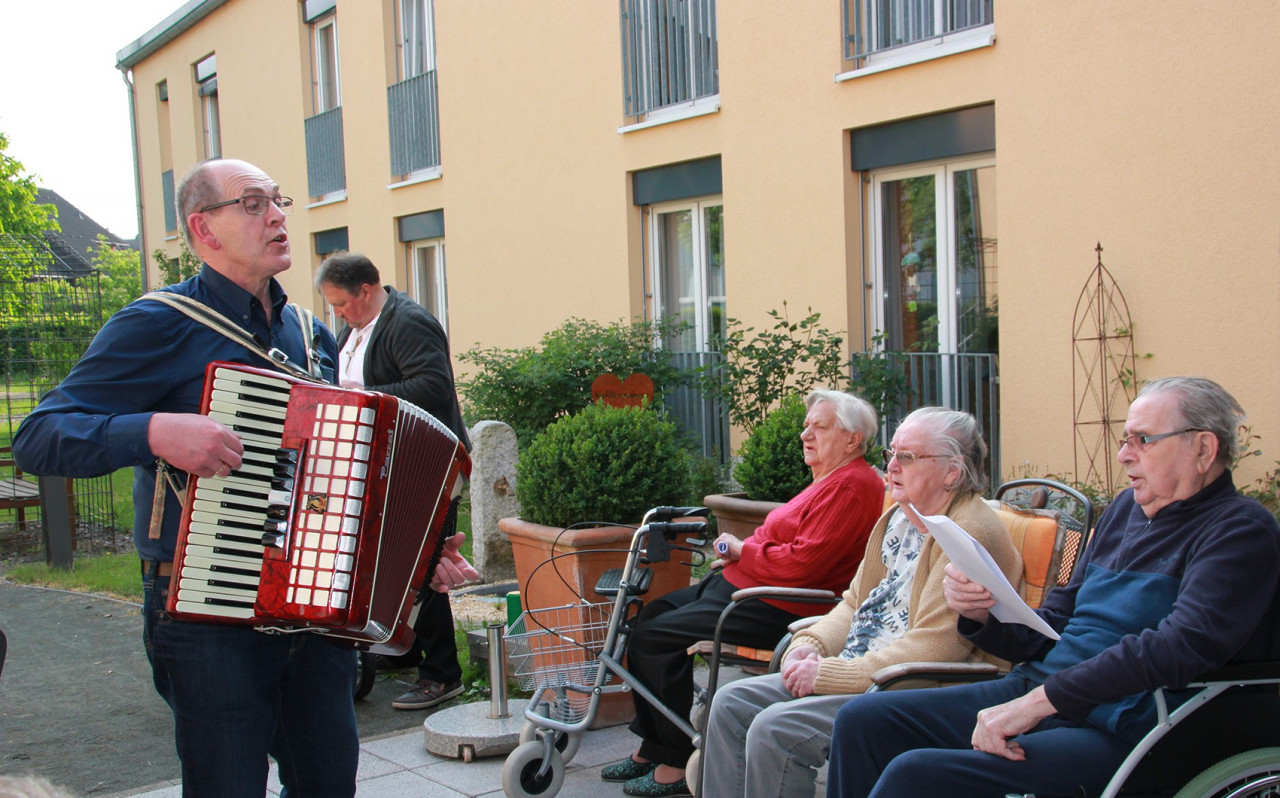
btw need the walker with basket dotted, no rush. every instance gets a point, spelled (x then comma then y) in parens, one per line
(570, 656)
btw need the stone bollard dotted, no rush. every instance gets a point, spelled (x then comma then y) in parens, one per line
(493, 496)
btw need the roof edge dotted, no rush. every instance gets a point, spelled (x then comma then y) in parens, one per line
(169, 29)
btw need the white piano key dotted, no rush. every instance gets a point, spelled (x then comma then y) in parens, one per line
(214, 609)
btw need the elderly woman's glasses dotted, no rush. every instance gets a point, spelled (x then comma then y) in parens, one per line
(255, 204)
(905, 459)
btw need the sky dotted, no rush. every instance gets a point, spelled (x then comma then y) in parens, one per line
(63, 103)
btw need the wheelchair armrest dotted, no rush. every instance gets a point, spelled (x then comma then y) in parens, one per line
(804, 595)
(803, 623)
(1253, 672)
(933, 671)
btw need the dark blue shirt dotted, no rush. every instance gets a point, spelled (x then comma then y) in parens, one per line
(1153, 602)
(150, 358)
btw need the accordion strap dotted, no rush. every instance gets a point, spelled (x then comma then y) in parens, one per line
(202, 313)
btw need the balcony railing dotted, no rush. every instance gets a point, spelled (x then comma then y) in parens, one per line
(326, 161)
(704, 420)
(969, 382)
(873, 26)
(669, 53)
(415, 124)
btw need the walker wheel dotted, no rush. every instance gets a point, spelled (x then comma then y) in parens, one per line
(520, 778)
(566, 743)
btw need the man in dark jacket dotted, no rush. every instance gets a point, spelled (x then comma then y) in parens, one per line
(1180, 578)
(393, 345)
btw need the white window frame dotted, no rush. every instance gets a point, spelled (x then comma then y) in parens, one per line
(206, 73)
(700, 300)
(440, 296)
(323, 72)
(416, 20)
(944, 204)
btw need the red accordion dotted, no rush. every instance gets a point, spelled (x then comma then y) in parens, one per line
(332, 522)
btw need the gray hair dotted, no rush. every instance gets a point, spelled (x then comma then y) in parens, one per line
(958, 436)
(198, 189)
(1204, 405)
(348, 271)
(853, 413)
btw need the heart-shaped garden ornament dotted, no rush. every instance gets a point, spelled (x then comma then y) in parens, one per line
(615, 392)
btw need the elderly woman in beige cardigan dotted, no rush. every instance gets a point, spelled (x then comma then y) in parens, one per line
(768, 735)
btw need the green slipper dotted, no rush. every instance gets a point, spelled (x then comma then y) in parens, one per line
(647, 787)
(626, 770)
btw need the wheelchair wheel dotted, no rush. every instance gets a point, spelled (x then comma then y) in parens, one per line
(1252, 774)
(366, 672)
(693, 774)
(567, 744)
(520, 773)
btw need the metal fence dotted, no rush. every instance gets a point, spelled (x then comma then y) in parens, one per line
(968, 382)
(872, 26)
(670, 53)
(46, 324)
(326, 160)
(703, 419)
(415, 124)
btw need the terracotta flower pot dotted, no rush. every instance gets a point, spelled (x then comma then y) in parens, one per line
(738, 515)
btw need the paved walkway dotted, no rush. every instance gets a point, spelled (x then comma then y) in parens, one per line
(399, 766)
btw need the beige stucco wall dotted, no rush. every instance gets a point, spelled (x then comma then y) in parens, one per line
(1147, 126)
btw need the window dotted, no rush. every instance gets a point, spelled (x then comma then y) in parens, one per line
(669, 53)
(416, 38)
(207, 89)
(688, 271)
(325, 63)
(888, 33)
(427, 279)
(936, 273)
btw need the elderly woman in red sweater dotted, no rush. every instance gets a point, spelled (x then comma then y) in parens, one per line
(815, 540)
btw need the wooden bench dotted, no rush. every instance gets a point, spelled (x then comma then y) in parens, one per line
(16, 493)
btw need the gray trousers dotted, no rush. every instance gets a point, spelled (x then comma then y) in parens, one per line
(761, 741)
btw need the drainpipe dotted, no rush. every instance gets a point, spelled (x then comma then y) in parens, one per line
(137, 178)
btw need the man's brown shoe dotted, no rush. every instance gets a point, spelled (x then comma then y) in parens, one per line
(426, 693)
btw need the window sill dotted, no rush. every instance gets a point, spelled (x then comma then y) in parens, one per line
(328, 199)
(940, 47)
(674, 113)
(170, 236)
(420, 176)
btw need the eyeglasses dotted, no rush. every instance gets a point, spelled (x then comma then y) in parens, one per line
(1140, 442)
(905, 459)
(255, 204)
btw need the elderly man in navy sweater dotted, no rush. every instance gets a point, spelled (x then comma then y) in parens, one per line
(1180, 578)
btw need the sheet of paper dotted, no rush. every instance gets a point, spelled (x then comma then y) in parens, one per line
(976, 563)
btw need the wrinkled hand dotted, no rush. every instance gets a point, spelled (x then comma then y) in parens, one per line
(732, 545)
(965, 596)
(800, 671)
(194, 443)
(453, 570)
(996, 725)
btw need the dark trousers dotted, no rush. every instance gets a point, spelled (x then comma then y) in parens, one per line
(435, 641)
(657, 656)
(918, 742)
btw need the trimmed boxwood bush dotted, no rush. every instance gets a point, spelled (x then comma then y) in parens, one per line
(773, 467)
(603, 464)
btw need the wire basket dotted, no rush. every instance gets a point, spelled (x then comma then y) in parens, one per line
(554, 653)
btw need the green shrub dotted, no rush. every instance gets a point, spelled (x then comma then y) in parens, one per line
(773, 467)
(604, 464)
(530, 387)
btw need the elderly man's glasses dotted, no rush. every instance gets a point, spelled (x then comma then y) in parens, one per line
(905, 459)
(255, 204)
(1140, 442)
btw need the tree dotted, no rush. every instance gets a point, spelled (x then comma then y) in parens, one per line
(175, 270)
(20, 214)
(120, 276)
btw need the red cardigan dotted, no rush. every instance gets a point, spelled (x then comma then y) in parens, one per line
(815, 540)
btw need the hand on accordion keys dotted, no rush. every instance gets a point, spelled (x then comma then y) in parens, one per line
(453, 570)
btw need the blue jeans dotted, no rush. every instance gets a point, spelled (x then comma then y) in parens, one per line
(239, 695)
(917, 742)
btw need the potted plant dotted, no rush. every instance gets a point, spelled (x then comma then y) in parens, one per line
(576, 481)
